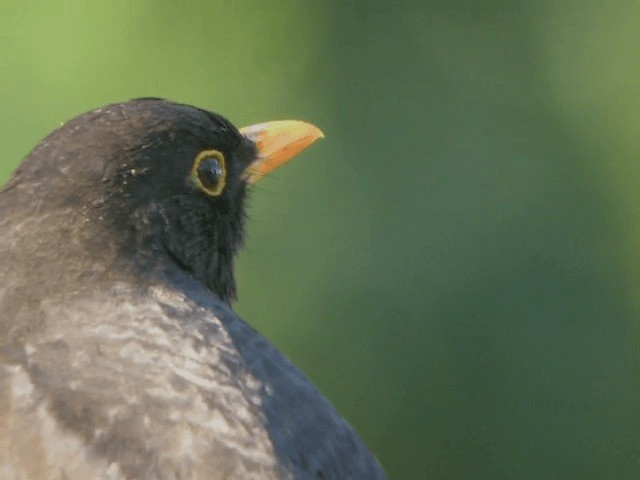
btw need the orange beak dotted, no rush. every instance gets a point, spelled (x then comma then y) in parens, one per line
(277, 143)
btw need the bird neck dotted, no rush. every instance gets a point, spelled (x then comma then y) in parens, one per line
(177, 236)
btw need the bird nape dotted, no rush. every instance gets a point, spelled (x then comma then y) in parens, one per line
(120, 357)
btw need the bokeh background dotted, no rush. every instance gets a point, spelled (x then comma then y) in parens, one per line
(457, 265)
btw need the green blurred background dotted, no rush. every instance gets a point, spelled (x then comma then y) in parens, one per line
(456, 265)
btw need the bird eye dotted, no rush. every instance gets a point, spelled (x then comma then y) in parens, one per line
(209, 172)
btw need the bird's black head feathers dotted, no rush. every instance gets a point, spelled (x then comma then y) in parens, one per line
(125, 176)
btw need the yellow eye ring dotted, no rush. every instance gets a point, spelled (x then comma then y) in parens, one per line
(209, 172)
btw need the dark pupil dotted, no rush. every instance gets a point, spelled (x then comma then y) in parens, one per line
(209, 172)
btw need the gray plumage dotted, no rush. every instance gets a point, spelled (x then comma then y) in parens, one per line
(120, 357)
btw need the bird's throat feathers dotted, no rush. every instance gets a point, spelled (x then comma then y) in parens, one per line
(199, 241)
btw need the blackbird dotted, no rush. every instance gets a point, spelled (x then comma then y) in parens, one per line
(120, 357)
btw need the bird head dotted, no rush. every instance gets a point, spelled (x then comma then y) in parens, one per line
(164, 182)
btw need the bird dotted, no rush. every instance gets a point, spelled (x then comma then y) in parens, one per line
(120, 354)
